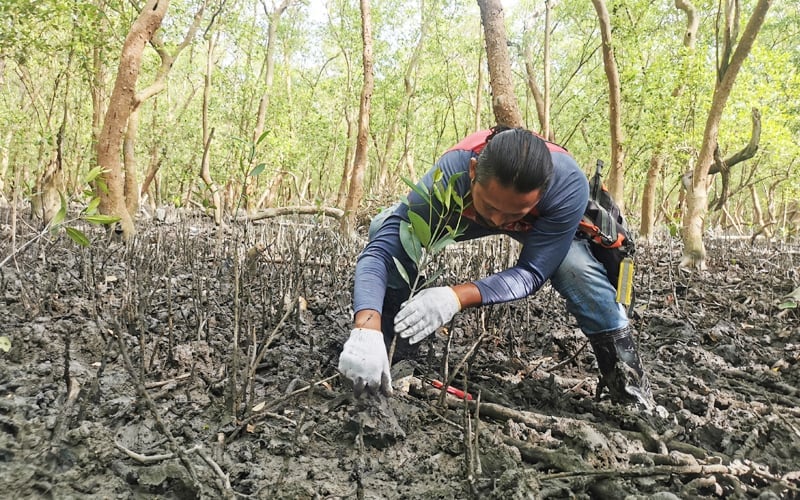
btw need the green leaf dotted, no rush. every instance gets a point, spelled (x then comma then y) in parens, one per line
(61, 214)
(437, 191)
(454, 178)
(101, 219)
(94, 173)
(402, 271)
(459, 201)
(258, 169)
(421, 228)
(262, 137)
(77, 236)
(410, 242)
(422, 191)
(5, 344)
(91, 208)
(437, 175)
(789, 304)
(102, 186)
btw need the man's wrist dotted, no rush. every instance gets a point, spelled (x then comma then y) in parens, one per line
(468, 295)
(368, 319)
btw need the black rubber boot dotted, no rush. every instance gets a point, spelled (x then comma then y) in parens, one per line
(621, 368)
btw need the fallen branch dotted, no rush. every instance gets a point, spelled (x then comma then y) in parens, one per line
(335, 213)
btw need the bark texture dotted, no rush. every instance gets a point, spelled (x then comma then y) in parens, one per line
(356, 191)
(504, 101)
(121, 105)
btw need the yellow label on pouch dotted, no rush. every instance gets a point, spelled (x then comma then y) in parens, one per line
(625, 282)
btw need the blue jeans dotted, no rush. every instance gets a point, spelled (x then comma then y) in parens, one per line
(590, 297)
(580, 279)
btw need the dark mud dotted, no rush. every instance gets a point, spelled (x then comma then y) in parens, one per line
(200, 363)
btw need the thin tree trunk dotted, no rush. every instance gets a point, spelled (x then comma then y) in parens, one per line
(694, 252)
(504, 101)
(546, 132)
(478, 93)
(269, 76)
(649, 196)
(615, 181)
(356, 191)
(208, 135)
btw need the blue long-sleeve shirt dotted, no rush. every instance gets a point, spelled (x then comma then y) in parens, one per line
(545, 237)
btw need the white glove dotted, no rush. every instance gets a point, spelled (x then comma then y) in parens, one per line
(426, 311)
(364, 361)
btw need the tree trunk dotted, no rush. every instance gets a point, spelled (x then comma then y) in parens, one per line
(692, 22)
(476, 125)
(123, 107)
(694, 252)
(263, 105)
(504, 101)
(538, 96)
(112, 200)
(615, 181)
(208, 135)
(356, 191)
(546, 131)
(131, 189)
(646, 229)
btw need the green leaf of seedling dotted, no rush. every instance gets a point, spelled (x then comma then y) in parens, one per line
(421, 228)
(789, 304)
(5, 344)
(258, 169)
(102, 186)
(77, 236)
(61, 214)
(437, 191)
(422, 191)
(454, 178)
(402, 271)
(262, 137)
(94, 174)
(459, 201)
(101, 219)
(410, 242)
(91, 208)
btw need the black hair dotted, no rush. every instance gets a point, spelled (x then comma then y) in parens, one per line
(516, 158)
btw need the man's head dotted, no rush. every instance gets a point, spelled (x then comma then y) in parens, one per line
(509, 176)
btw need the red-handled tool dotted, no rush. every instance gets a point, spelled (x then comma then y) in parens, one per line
(451, 390)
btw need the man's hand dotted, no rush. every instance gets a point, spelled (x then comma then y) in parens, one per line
(364, 361)
(425, 312)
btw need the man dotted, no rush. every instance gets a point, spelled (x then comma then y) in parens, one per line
(521, 186)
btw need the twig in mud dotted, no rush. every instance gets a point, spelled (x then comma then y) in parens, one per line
(467, 356)
(147, 459)
(735, 469)
(569, 359)
(261, 352)
(142, 392)
(161, 383)
(151, 459)
(259, 408)
(294, 423)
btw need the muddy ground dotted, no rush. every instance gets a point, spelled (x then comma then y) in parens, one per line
(200, 363)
